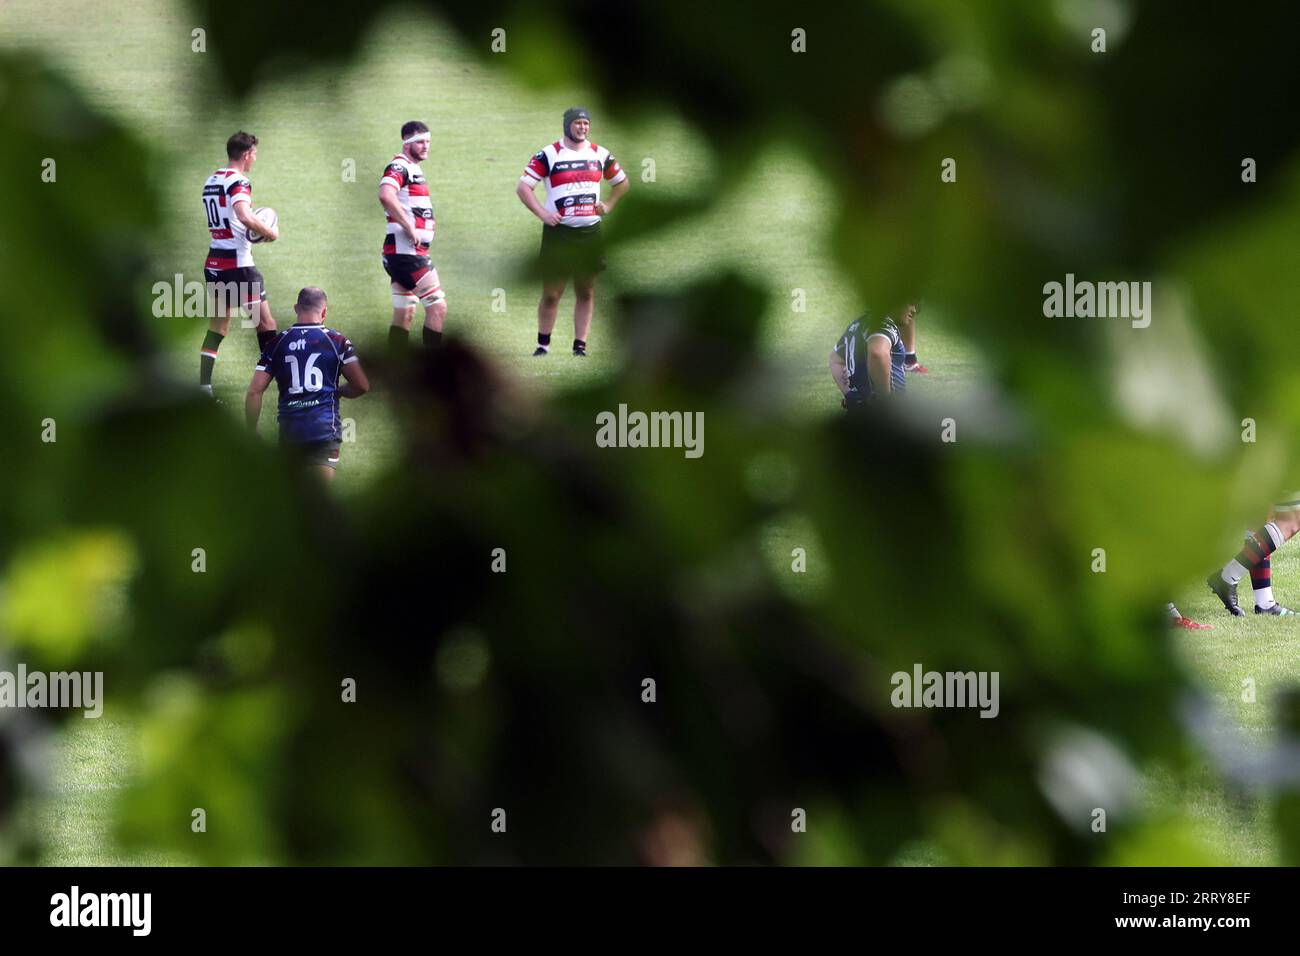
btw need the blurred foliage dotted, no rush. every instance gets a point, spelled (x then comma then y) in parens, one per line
(64, 593)
(522, 690)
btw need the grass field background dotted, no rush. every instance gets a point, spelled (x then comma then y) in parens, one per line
(135, 62)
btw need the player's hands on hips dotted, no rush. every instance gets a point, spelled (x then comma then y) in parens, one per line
(551, 218)
(602, 208)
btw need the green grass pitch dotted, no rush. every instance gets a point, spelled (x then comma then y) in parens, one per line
(134, 61)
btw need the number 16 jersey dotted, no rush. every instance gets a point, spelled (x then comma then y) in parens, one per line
(305, 361)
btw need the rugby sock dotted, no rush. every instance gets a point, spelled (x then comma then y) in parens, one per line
(1233, 571)
(1261, 579)
(208, 356)
(432, 339)
(579, 345)
(398, 338)
(1259, 545)
(544, 340)
(265, 340)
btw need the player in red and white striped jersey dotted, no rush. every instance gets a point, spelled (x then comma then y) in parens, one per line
(404, 194)
(233, 281)
(572, 169)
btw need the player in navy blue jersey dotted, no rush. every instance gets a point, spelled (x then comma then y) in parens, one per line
(306, 360)
(872, 358)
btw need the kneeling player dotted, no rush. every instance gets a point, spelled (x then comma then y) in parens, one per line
(404, 194)
(1253, 559)
(870, 359)
(306, 361)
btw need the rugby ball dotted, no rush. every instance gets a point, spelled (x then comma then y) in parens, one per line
(265, 215)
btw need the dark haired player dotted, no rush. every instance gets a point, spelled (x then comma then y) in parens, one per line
(306, 361)
(404, 194)
(572, 168)
(232, 279)
(870, 359)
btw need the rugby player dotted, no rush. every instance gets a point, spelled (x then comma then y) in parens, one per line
(232, 279)
(870, 359)
(1253, 559)
(572, 168)
(404, 194)
(305, 361)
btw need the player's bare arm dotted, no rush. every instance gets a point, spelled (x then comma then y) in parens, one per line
(388, 199)
(878, 363)
(244, 213)
(616, 193)
(907, 333)
(357, 384)
(907, 330)
(524, 190)
(253, 398)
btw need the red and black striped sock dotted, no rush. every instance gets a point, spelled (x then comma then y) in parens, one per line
(1261, 579)
(1261, 576)
(1259, 545)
